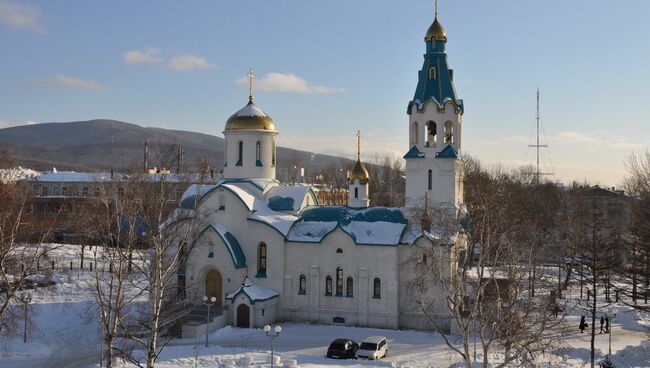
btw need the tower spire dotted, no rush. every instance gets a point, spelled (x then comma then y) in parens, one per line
(251, 76)
(436, 8)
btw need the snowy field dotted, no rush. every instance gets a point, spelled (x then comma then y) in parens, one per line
(65, 333)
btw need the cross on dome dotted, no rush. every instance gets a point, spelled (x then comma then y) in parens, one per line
(251, 76)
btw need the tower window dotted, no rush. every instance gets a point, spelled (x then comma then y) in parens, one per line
(433, 73)
(302, 285)
(339, 281)
(273, 154)
(328, 285)
(376, 289)
(449, 132)
(432, 131)
(356, 192)
(349, 287)
(258, 154)
(240, 154)
(261, 260)
(415, 136)
(430, 180)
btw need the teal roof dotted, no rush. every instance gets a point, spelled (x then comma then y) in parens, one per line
(231, 243)
(439, 85)
(278, 203)
(414, 152)
(448, 152)
(344, 215)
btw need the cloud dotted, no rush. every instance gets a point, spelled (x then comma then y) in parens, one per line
(575, 137)
(287, 82)
(189, 62)
(147, 56)
(5, 124)
(66, 82)
(20, 16)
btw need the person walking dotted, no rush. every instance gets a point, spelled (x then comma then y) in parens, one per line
(606, 324)
(583, 324)
(602, 322)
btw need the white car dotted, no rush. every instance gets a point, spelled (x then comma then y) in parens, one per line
(374, 347)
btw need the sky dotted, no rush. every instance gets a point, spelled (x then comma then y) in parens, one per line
(327, 68)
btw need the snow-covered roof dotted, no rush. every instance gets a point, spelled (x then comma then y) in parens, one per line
(17, 173)
(255, 293)
(368, 226)
(287, 197)
(250, 110)
(89, 177)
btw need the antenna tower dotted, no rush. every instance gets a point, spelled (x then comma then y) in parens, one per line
(537, 146)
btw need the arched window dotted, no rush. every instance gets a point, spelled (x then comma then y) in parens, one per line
(430, 180)
(424, 259)
(222, 202)
(273, 154)
(258, 154)
(261, 260)
(376, 289)
(302, 285)
(349, 285)
(432, 131)
(240, 154)
(328, 285)
(339, 250)
(356, 192)
(339, 281)
(415, 135)
(449, 132)
(433, 73)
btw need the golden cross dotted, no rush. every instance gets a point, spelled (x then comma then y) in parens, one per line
(358, 145)
(251, 76)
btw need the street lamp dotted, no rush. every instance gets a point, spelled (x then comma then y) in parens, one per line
(272, 336)
(611, 314)
(208, 303)
(26, 298)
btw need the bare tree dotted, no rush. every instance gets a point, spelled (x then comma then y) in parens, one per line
(483, 262)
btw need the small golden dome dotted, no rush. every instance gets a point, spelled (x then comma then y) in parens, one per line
(250, 117)
(359, 172)
(436, 31)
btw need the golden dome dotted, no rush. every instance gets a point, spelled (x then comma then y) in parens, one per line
(250, 117)
(359, 172)
(436, 31)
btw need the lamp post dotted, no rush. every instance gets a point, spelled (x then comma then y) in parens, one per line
(208, 303)
(26, 298)
(272, 335)
(611, 314)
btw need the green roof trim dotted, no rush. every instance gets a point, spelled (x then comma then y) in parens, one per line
(448, 152)
(414, 152)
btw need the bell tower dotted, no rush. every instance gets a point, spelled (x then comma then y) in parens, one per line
(433, 164)
(358, 181)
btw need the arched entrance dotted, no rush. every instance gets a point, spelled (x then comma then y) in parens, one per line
(243, 316)
(213, 286)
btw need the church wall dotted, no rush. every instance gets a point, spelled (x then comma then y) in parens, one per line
(362, 263)
(249, 168)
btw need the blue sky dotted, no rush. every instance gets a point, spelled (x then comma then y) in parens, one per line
(327, 68)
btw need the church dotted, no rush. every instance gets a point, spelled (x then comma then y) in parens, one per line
(268, 252)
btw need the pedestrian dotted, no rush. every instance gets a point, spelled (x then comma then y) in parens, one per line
(602, 322)
(606, 324)
(583, 324)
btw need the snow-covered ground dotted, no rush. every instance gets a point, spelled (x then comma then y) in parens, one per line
(65, 333)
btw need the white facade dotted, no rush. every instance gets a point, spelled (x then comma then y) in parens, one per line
(358, 194)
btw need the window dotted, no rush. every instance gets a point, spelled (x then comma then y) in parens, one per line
(356, 192)
(430, 180)
(376, 289)
(44, 191)
(339, 281)
(349, 286)
(339, 250)
(180, 287)
(433, 74)
(302, 285)
(261, 260)
(240, 154)
(64, 191)
(415, 136)
(449, 132)
(258, 154)
(273, 154)
(338, 320)
(328, 285)
(424, 259)
(84, 191)
(97, 192)
(222, 202)
(432, 131)
(120, 191)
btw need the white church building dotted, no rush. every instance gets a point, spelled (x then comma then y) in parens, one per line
(268, 252)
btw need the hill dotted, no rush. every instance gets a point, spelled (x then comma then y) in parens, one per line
(101, 145)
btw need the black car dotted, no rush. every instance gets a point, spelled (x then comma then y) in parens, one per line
(342, 349)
